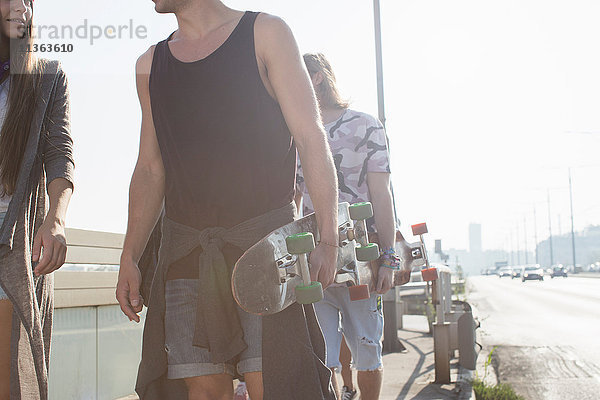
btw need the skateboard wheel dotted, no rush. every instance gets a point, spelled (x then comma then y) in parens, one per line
(429, 274)
(369, 252)
(360, 211)
(300, 243)
(359, 292)
(310, 294)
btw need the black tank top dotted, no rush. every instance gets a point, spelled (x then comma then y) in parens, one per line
(226, 148)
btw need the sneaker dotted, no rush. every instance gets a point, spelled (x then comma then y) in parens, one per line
(348, 394)
(241, 393)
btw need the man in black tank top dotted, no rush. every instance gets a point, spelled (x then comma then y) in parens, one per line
(226, 101)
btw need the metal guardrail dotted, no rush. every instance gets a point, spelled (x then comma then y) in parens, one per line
(454, 327)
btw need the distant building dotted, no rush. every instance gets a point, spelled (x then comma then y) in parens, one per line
(473, 263)
(475, 238)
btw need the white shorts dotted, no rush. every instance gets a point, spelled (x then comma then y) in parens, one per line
(361, 323)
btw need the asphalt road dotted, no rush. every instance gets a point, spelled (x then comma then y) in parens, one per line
(547, 333)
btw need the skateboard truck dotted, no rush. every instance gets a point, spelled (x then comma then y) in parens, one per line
(366, 251)
(428, 273)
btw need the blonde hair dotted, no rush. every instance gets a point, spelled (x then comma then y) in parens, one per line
(327, 91)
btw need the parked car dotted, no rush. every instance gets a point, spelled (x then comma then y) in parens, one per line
(559, 271)
(532, 273)
(504, 271)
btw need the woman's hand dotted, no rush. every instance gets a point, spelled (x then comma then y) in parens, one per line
(51, 238)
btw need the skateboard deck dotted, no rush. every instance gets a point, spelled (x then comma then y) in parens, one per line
(265, 277)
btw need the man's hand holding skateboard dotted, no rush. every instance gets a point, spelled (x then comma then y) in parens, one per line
(388, 277)
(323, 264)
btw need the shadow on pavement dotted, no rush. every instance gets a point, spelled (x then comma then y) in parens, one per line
(417, 371)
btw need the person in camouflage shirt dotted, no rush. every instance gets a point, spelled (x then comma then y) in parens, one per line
(360, 151)
(359, 146)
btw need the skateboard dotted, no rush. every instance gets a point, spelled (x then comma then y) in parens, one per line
(274, 273)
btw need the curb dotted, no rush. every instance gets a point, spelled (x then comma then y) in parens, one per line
(464, 386)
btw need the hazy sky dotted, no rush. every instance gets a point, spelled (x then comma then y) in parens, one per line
(488, 104)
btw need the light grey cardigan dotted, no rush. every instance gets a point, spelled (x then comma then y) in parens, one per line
(48, 155)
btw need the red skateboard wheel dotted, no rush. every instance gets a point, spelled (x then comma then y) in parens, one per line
(419, 229)
(429, 274)
(359, 292)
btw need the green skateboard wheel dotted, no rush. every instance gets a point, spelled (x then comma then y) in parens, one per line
(310, 294)
(369, 252)
(360, 211)
(300, 243)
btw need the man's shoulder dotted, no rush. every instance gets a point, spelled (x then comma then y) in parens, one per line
(270, 30)
(144, 62)
(266, 21)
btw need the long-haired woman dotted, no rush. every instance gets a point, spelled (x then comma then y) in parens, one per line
(36, 175)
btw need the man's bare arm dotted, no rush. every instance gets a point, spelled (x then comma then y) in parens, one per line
(146, 195)
(277, 49)
(383, 207)
(385, 220)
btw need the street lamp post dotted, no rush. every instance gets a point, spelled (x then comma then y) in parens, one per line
(535, 236)
(518, 247)
(572, 227)
(550, 231)
(525, 237)
(379, 61)
(390, 334)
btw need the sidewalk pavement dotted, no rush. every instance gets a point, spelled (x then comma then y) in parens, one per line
(411, 375)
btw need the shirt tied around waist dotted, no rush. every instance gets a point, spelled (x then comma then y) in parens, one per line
(217, 324)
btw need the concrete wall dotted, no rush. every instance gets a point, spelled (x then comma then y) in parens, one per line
(95, 349)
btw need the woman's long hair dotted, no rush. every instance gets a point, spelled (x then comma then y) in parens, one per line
(25, 77)
(329, 95)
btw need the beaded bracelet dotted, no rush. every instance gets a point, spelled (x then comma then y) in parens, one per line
(389, 259)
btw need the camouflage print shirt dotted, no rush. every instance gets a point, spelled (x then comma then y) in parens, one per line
(359, 145)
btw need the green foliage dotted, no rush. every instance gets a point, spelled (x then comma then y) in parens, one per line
(501, 391)
(460, 273)
(459, 286)
(488, 362)
(484, 391)
(459, 290)
(429, 311)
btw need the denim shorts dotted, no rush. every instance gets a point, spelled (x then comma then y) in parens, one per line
(3, 295)
(186, 360)
(361, 323)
